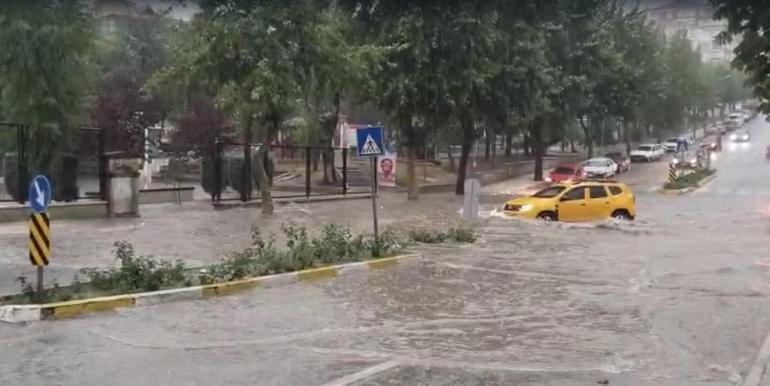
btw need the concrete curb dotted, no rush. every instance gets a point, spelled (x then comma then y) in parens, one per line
(63, 310)
(679, 192)
(257, 203)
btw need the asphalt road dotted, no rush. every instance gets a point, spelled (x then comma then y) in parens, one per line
(678, 297)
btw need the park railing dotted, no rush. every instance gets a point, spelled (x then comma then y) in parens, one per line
(76, 166)
(292, 172)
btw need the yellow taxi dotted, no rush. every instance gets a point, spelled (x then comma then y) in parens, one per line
(579, 201)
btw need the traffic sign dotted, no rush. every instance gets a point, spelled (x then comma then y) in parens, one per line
(39, 239)
(39, 194)
(369, 141)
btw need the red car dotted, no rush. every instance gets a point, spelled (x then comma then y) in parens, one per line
(565, 172)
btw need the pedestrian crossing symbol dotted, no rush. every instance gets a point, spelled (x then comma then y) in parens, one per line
(369, 141)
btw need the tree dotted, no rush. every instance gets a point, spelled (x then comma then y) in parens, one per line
(750, 21)
(244, 51)
(45, 71)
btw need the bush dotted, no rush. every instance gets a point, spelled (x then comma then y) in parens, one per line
(234, 174)
(65, 179)
(459, 234)
(689, 180)
(135, 273)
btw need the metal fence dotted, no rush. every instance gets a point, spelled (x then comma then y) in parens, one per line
(77, 171)
(292, 171)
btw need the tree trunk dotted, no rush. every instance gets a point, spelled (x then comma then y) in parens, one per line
(589, 142)
(572, 145)
(537, 147)
(526, 144)
(508, 144)
(411, 173)
(468, 139)
(626, 136)
(487, 143)
(494, 150)
(264, 181)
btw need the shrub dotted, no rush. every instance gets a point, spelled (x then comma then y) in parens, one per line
(65, 179)
(234, 173)
(135, 273)
(689, 180)
(458, 234)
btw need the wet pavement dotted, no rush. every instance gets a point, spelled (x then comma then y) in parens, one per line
(678, 297)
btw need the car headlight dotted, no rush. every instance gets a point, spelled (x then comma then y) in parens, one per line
(733, 136)
(746, 137)
(548, 179)
(693, 161)
(526, 208)
(674, 161)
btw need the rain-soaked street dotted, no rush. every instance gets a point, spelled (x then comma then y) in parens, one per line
(678, 297)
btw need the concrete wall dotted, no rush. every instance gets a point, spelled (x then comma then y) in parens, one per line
(160, 196)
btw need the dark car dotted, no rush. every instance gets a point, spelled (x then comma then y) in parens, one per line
(623, 161)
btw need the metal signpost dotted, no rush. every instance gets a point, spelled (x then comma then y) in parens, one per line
(39, 227)
(370, 144)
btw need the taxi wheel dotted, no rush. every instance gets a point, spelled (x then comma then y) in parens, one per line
(621, 215)
(547, 216)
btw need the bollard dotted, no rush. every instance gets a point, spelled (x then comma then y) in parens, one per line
(672, 173)
(471, 198)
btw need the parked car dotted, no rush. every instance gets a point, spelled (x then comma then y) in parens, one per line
(582, 201)
(672, 144)
(601, 167)
(647, 152)
(621, 160)
(565, 172)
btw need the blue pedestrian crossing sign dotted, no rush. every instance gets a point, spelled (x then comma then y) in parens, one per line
(369, 141)
(39, 194)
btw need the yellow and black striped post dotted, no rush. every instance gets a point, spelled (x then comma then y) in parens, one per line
(39, 239)
(672, 175)
(39, 246)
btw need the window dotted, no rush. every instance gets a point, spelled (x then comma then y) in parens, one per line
(598, 191)
(549, 192)
(615, 190)
(574, 194)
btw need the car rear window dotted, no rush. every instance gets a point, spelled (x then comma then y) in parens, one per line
(563, 170)
(615, 190)
(598, 191)
(645, 148)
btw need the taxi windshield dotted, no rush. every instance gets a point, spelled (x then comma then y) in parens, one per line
(550, 192)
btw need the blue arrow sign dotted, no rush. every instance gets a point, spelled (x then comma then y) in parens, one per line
(369, 141)
(39, 194)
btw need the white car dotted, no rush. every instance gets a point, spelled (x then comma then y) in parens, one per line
(735, 120)
(599, 168)
(647, 152)
(671, 144)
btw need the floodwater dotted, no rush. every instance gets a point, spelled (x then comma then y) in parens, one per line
(678, 297)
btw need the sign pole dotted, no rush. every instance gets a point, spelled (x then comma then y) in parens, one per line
(370, 144)
(40, 283)
(376, 251)
(39, 228)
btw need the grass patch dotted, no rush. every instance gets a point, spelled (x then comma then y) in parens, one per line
(689, 180)
(134, 273)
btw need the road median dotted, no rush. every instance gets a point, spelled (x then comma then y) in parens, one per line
(688, 183)
(63, 310)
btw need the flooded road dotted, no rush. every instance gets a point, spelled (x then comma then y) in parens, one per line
(678, 297)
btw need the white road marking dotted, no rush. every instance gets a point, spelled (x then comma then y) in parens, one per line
(363, 374)
(758, 368)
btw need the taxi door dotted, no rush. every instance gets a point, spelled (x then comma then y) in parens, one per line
(572, 204)
(599, 204)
